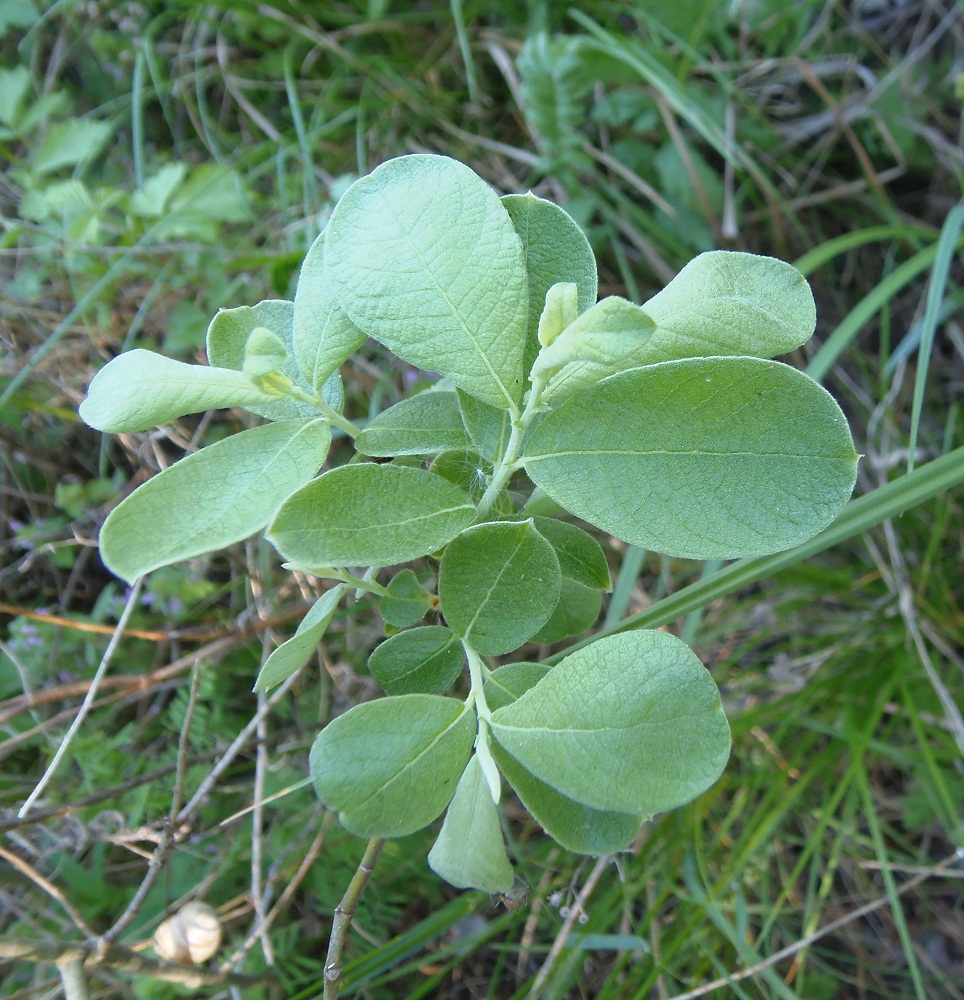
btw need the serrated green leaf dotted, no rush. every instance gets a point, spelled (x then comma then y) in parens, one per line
(293, 654)
(152, 199)
(573, 825)
(498, 583)
(14, 88)
(227, 344)
(577, 610)
(631, 723)
(389, 767)
(506, 683)
(426, 261)
(425, 424)
(406, 601)
(470, 852)
(68, 143)
(419, 661)
(141, 389)
(704, 458)
(555, 250)
(729, 303)
(323, 334)
(219, 495)
(580, 556)
(370, 515)
(610, 337)
(488, 426)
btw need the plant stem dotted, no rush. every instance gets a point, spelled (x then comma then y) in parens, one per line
(511, 458)
(343, 914)
(72, 976)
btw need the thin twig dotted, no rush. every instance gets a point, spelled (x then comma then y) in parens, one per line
(805, 942)
(258, 891)
(51, 890)
(285, 897)
(343, 915)
(117, 957)
(88, 700)
(240, 741)
(578, 908)
(156, 864)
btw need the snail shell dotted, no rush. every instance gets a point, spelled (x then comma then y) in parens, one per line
(190, 936)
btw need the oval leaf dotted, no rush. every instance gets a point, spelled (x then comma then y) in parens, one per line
(554, 250)
(498, 584)
(390, 767)
(470, 852)
(730, 303)
(577, 610)
(141, 389)
(420, 661)
(426, 261)
(217, 496)
(369, 515)
(581, 558)
(425, 424)
(293, 654)
(631, 723)
(705, 458)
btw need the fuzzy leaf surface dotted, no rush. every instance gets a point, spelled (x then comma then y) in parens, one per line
(728, 303)
(487, 426)
(470, 852)
(573, 825)
(228, 337)
(423, 660)
(389, 767)
(631, 723)
(140, 389)
(498, 583)
(295, 652)
(704, 458)
(425, 424)
(581, 558)
(219, 495)
(369, 515)
(426, 261)
(508, 682)
(577, 610)
(555, 250)
(322, 336)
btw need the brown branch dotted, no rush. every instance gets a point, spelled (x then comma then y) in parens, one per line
(117, 957)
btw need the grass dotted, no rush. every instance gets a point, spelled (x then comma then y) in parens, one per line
(825, 863)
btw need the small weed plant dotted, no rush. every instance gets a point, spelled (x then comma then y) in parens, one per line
(667, 425)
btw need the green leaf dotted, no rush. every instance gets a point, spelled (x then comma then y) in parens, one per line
(506, 683)
(406, 601)
(555, 250)
(420, 661)
(498, 583)
(580, 556)
(217, 496)
(14, 88)
(704, 458)
(227, 346)
(729, 303)
(370, 515)
(609, 338)
(487, 426)
(631, 723)
(323, 335)
(425, 260)
(140, 389)
(293, 654)
(152, 199)
(69, 143)
(470, 852)
(389, 767)
(577, 610)
(424, 424)
(573, 825)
